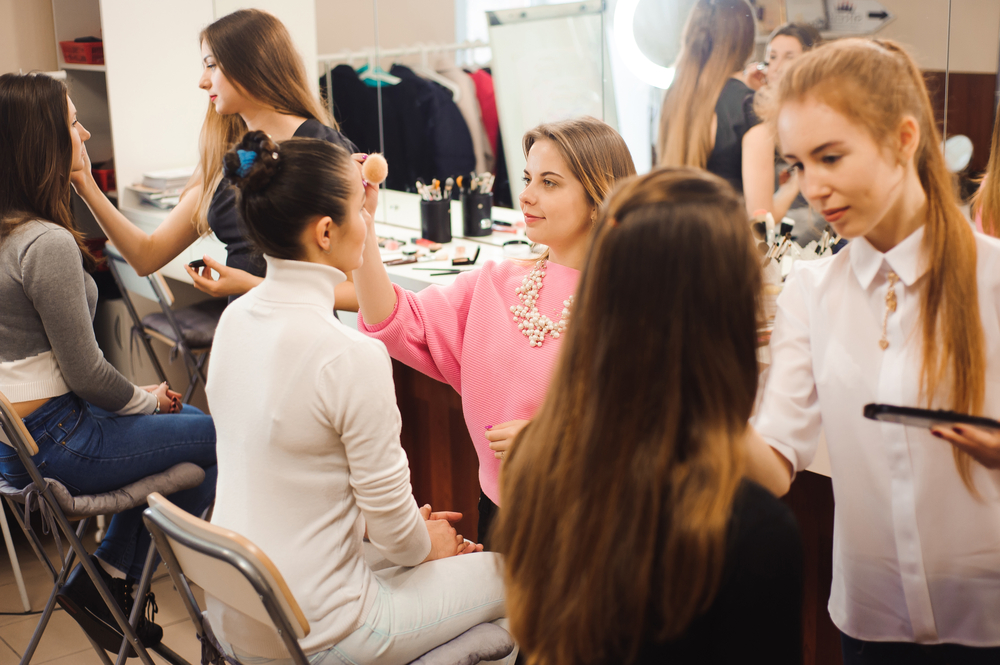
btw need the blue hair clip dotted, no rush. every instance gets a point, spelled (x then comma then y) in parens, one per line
(247, 158)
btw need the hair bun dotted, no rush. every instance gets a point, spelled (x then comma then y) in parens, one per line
(252, 163)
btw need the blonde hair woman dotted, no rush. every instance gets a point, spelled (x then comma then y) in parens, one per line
(255, 79)
(707, 120)
(986, 202)
(659, 551)
(494, 333)
(908, 314)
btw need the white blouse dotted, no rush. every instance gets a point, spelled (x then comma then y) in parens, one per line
(916, 557)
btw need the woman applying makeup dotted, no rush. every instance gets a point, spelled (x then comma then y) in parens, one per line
(255, 80)
(707, 120)
(908, 314)
(494, 334)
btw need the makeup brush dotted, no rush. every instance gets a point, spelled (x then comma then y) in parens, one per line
(375, 169)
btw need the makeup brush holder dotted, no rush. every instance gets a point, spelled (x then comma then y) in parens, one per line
(477, 215)
(435, 220)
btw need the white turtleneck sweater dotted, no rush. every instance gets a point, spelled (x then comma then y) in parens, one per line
(308, 448)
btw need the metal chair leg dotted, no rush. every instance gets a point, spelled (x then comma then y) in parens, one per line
(15, 564)
(95, 576)
(138, 604)
(43, 621)
(36, 544)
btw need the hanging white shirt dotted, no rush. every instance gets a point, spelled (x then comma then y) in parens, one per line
(915, 556)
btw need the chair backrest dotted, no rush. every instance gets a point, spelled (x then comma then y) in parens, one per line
(12, 430)
(129, 279)
(226, 565)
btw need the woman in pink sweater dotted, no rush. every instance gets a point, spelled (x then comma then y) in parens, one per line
(494, 334)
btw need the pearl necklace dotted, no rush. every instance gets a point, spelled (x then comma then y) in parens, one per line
(532, 324)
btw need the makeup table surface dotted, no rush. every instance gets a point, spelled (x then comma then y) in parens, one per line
(397, 217)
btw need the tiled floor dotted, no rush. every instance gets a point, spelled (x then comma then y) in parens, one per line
(64, 643)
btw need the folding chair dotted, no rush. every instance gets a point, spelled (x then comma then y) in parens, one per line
(187, 331)
(58, 507)
(236, 573)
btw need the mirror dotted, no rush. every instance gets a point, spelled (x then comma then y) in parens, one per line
(436, 87)
(972, 90)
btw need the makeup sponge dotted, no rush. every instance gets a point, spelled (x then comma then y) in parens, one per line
(375, 169)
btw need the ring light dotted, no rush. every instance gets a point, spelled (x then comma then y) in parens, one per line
(637, 62)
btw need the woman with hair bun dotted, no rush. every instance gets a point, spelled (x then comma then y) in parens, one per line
(907, 315)
(494, 334)
(255, 79)
(309, 454)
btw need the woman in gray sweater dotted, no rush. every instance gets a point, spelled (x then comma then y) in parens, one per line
(95, 430)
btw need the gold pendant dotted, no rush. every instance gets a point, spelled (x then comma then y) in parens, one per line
(890, 306)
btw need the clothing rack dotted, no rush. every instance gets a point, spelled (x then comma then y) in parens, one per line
(372, 55)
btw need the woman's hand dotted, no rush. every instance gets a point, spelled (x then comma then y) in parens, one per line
(754, 77)
(983, 445)
(445, 541)
(501, 436)
(371, 192)
(84, 177)
(168, 400)
(231, 281)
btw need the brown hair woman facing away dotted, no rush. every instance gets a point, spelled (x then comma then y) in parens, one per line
(909, 315)
(707, 119)
(627, 531)
(986, 202)
(255, 80)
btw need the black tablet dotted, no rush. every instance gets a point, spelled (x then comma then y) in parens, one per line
(925, 418)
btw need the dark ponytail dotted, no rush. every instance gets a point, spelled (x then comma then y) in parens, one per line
(281, 189)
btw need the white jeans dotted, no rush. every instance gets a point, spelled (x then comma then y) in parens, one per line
(416, 610)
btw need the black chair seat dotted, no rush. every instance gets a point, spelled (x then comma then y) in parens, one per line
(197, 323)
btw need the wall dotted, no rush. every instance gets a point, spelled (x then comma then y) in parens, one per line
(922, 25)
(26, 36)
(349, 25)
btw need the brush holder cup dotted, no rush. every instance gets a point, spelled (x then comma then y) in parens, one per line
(435, 220)
(477, 215)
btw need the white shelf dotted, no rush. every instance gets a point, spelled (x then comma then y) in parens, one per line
(85, 68)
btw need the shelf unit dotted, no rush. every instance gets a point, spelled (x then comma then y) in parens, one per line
(83, 68)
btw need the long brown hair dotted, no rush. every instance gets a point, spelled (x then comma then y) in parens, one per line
(718, 40)
(596, 154)
(255, 52)
(986, 201)
(36, 155)
(617, 495)
(876, 84)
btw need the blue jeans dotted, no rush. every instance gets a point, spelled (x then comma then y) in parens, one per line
(860, 652)
(90, 451)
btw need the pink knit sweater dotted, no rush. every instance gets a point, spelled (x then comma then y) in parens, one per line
(464, 335)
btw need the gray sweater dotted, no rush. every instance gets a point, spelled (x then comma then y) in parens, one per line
(47, 307)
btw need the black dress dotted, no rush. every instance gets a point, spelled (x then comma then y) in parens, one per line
(225, 221)
(734, 111)
(757, 613)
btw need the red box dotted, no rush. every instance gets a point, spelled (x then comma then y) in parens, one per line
(83, 53)
(105, 179)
